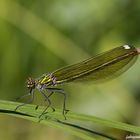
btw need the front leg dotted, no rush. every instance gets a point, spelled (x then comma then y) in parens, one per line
(29, 101)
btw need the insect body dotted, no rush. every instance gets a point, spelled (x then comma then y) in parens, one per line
(97, 69)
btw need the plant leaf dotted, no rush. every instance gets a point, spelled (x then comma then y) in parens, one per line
(28, 112)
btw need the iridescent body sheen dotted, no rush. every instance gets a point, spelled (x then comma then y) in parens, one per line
(97, 69)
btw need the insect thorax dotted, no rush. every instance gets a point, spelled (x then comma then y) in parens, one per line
(48, 80)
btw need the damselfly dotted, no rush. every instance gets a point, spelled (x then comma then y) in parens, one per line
(98, 68)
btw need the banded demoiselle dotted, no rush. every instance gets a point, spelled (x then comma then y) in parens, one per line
(98, 68)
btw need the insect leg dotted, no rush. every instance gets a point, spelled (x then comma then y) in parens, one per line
(23, 96)
(54, 89)
(32, 98)
(61, 91)
(46, 99)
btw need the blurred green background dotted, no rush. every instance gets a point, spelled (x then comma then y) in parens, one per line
(39, 36)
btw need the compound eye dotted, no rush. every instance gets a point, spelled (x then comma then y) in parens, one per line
(30, 83)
